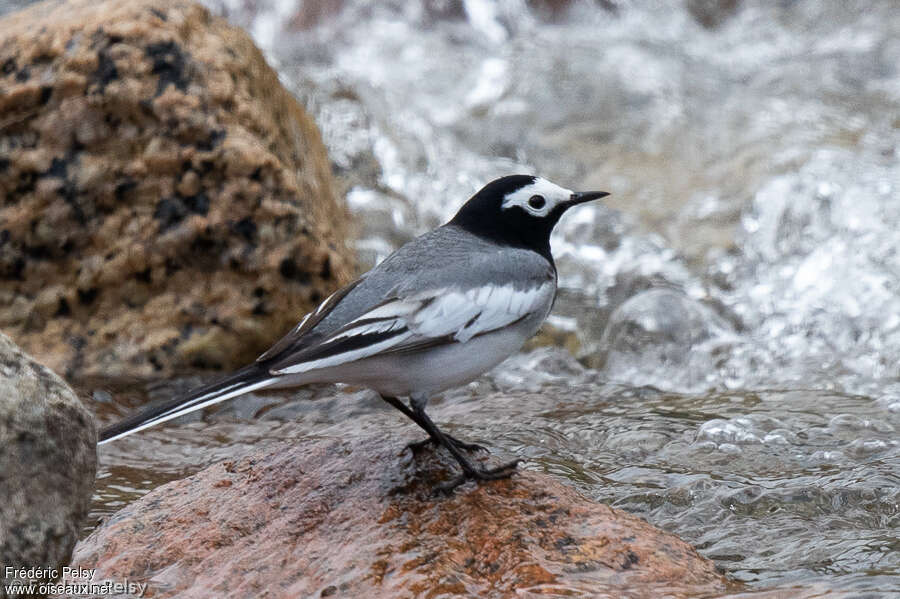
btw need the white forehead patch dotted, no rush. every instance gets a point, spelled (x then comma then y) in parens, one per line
(552, 193)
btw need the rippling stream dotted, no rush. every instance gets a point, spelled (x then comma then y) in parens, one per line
(734, 307)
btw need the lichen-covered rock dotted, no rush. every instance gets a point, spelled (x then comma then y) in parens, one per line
(328, 518)
(164, 202)
(48, 462)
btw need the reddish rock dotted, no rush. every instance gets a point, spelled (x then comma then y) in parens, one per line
(360, 519)
(164, 202)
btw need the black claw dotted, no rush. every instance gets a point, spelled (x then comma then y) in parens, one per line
(417, 446)
(449, 486)
(469, 446)
(500, 472)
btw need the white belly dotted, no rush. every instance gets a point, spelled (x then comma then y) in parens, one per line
(425, 372)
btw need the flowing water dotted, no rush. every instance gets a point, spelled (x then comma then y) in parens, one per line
(734, 306)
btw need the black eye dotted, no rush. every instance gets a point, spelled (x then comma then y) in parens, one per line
(537, 202)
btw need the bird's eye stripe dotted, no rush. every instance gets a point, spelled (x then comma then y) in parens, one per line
(537, 202)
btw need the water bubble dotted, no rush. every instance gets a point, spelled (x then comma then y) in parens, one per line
(862, 448)
(727, 432)
(662, 337)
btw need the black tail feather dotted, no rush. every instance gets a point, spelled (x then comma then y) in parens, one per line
(234, 384)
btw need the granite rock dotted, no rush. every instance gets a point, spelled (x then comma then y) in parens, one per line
(48, 462)
(165, 204)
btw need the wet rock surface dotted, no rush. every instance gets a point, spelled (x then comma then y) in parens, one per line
(728, 473)
(48, 461)
(321, 518)
(165, 202)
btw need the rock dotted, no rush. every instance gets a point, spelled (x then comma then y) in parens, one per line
(48, 461)
(322, 518)
(166, 203)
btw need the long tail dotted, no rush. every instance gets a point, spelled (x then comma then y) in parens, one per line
(243, 381)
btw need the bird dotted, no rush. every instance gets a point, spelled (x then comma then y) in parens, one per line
(435, 314)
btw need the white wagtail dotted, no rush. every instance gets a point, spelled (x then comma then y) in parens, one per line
(437, 313)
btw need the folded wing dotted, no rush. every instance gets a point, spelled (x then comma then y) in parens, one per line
(426, 318)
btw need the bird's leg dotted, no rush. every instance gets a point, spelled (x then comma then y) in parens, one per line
(470, 470)
(417, 445)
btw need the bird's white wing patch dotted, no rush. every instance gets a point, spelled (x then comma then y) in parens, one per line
(342, 357)
(446, 313)
(464, 315)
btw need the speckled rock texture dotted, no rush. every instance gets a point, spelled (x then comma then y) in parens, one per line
(327, 518)
(165, 204)
(48, 461)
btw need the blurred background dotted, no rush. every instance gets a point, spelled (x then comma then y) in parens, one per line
(750, 148)
(734, 307)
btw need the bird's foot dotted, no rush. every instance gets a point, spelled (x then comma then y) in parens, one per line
(469, 470)
(479, 474)
(417, 446)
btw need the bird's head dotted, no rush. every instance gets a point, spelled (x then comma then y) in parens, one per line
(520, 210)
